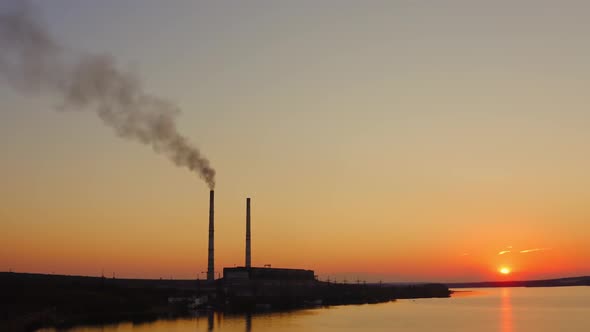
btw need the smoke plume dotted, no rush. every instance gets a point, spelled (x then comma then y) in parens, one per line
(32, 61)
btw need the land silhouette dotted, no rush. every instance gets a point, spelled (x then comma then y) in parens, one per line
(31, 301)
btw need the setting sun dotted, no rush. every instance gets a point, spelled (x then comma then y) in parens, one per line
(504, 270)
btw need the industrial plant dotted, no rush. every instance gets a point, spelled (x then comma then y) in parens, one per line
(245, 284)
(62, 301)
(248, 287)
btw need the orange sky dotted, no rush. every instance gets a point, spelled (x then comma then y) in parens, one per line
(412, 146)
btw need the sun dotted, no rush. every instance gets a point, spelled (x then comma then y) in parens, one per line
(504, 270)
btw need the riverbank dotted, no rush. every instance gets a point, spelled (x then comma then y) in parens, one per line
(559, 282)
(31, 301)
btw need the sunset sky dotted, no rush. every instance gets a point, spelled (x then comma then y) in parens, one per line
(381, 140)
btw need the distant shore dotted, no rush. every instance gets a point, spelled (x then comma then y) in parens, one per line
(559, 282)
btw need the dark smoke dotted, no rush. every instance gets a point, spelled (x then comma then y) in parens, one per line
(32, 61)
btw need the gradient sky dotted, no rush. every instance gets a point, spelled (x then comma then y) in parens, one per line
(393, 140)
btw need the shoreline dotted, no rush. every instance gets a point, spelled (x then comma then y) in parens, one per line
(32, 301)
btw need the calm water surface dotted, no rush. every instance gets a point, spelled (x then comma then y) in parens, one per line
(491, 309)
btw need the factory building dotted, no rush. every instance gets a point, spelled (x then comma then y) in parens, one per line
(236, 275)
(265, 275)
(246, 285)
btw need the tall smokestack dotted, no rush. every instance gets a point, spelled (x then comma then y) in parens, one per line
(248, 250)
(211, 260)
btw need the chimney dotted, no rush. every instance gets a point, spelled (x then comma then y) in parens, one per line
(211, 260)
(248, 249)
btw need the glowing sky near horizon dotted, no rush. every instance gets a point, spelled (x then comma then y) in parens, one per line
(384, 140)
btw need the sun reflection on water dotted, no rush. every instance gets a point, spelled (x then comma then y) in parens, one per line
(506, 311)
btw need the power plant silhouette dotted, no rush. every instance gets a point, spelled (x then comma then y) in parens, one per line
(249, 287)
(211, 252)
(238, 275)
(241, 289)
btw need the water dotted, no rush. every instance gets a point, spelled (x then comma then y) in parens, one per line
(491, 309)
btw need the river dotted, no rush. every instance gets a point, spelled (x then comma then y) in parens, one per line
(484, 309)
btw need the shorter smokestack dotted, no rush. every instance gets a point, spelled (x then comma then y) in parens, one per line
(248, 249)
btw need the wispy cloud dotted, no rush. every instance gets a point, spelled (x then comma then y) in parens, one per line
(504, 252)
(534, 250)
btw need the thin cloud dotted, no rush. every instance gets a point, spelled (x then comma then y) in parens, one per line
(534, 250)
(504, 252)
